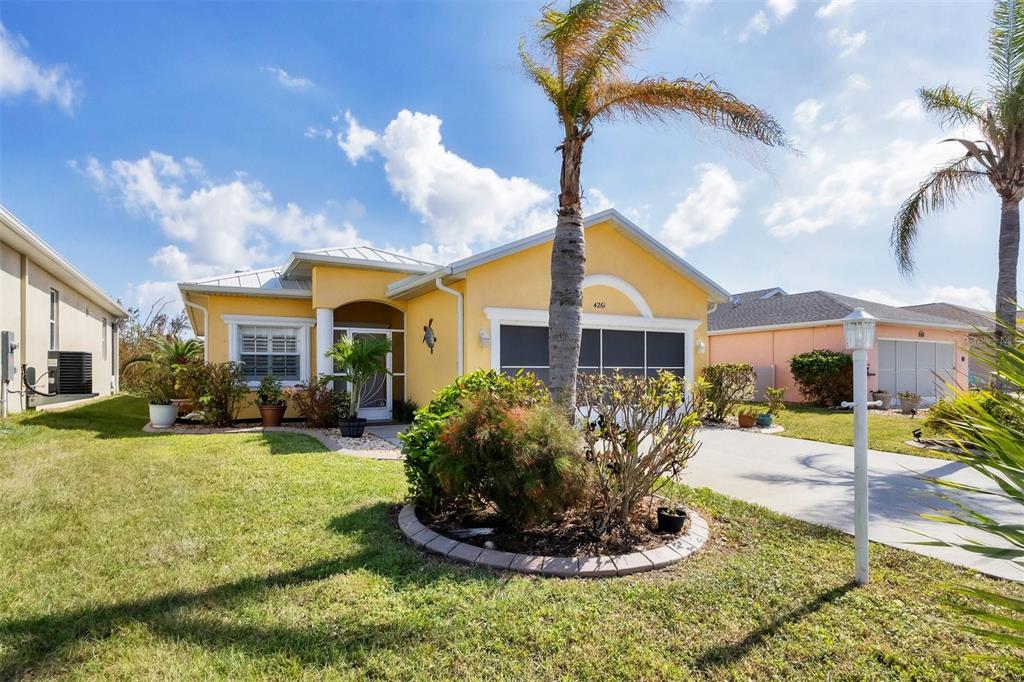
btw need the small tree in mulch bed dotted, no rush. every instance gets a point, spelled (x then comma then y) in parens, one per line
(641, 432)
(724, 386)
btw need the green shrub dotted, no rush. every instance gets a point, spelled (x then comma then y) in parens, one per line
(825, 377)
(526, 460)
(270, 392)
(404, 411)
(726, 385)
(773, 398)
(315, 402)
(224, 390)
(341, 401)
(944, 415)
(421, 443)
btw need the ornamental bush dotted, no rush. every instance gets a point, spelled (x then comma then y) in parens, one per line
(945, 415)
(525, 460)
(825, 377)
(315, 402)
(421, 442)
(223, 391)
(726, 385)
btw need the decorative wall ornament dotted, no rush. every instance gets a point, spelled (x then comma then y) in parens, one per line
(428, 335)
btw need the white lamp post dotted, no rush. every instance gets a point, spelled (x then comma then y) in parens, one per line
(859, 331)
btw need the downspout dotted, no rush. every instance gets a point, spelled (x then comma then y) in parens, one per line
(458, 334)
(206, 326)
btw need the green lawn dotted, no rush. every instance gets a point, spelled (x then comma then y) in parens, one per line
(127, 555)
(888, 432)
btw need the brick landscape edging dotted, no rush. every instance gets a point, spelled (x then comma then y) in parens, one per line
(556, 566)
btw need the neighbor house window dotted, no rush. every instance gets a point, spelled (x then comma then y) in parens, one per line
(54, 316)
(270, 350)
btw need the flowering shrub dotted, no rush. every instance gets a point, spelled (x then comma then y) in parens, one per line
(315, 402)
(526, 460)
(640, 432)
(421, 442)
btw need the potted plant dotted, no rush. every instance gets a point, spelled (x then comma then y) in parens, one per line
(271, 401)
(174, 355)
(909, 402)
(746, 416)
(359, 360)
(671, 517)
(773, 404)
(159, 389)
(883, 397)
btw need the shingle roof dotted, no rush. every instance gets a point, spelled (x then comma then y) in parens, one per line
(976, 318)
(811, 306)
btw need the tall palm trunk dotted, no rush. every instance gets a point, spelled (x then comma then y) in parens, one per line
(1006, 285)
(568, 265)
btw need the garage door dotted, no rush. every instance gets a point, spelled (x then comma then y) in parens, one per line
(629, 352)
(922, 367)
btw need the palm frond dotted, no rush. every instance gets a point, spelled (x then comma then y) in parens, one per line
(939, 190)
(542, 76)
(660, 99)
(1006, 47)
(952, 107)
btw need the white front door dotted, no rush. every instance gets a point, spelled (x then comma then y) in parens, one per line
(375, 402)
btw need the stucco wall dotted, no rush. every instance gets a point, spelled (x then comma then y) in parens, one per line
(777, 347)
(80, 323)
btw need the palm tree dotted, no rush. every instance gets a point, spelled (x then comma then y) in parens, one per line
(995, 158)
(360, 360)
(169, 352)
(584, 52)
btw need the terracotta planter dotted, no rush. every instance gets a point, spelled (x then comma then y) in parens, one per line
(184, 406)
(271, 414)
(162, 416)
(746, 421)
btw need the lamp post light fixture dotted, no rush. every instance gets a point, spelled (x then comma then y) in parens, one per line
(859, 333)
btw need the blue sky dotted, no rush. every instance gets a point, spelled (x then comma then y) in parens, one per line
(151, 143)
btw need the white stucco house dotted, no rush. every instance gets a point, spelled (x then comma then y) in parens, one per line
(58, 330)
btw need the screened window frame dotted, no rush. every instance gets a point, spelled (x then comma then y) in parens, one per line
(54, 319)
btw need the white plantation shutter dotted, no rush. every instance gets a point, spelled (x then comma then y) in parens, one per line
(270, 350)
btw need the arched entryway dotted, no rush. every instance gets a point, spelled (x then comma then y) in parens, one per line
(373, 318)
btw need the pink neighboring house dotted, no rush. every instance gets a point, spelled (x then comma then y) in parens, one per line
(914, 351)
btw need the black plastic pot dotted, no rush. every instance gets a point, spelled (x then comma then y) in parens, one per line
(352, 428)
(671, 519)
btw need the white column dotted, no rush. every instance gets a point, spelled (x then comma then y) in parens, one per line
(324, 339)
(860, 462)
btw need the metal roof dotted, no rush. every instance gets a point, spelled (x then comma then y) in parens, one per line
(368, 253)
(756, 312)
(267, 278)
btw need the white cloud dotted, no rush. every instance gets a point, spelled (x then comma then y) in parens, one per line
(806, 112)
(287, 80)
(906, 110)
(707, 211)
(215, 226)
(972, 297)
(595, 201)
(356, 141)
(152, 295)
(19, 75)
(856, 83)
(847, 42)
(758, 23)
(314, 132)
(782, 8)
(832, 7)
(462, 204)
(879, 296)
(858, 190)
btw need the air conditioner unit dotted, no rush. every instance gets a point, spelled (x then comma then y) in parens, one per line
(70, 372)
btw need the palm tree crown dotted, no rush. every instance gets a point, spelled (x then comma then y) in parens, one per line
(994, 157)
(583, 55)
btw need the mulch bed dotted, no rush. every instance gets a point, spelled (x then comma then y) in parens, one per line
(573, 536)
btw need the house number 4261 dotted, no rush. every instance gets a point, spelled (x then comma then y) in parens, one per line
(600, 305)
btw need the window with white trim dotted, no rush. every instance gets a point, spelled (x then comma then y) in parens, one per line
(103, 338)
(270, 350)
(54, 318)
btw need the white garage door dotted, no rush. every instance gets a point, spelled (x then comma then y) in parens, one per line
(922, 367)
(603, 350)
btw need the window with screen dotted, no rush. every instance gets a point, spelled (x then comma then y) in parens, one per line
(54, 312)
(269, 350)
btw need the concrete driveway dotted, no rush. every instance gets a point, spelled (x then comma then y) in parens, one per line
(813, 482)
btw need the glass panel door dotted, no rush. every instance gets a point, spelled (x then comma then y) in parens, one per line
(375, 401)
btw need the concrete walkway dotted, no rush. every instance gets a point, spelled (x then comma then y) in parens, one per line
(813, 482)
(388, 432)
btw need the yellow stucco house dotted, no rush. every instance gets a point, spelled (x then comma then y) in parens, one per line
(644, 309)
